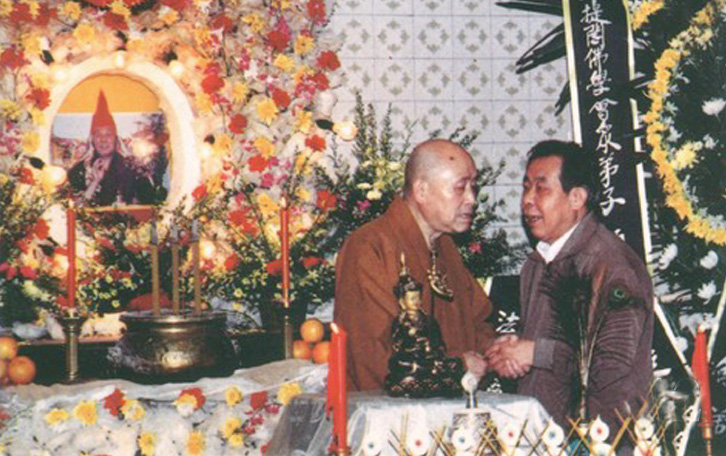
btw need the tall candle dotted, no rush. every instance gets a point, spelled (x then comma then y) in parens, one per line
(71, 274)
(337, 389)
(195, 265)
(155, 269)
(174, 269)
(285, 250)
(701, 374)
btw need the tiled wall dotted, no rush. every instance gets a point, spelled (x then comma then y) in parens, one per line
(446, 63)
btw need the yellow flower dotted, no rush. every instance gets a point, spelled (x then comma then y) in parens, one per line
(37, 116)
(240, 92)
(34, 7)
(304, 121)
(185, 400)
(267, 110)
(222, 145)
(10, 109)
(120, 8)
(85, 412)
(6, 7)
(268, 206)
(304, 44)
(236, 440)
(170, 17)
(303, 194)
(202, 36)
(285, 63)
(265, 147)
(133, 410)
(256, 23)
(230, 426)
(71, 10)
(84, 33)
(287, 392)
(204, 103)
(56, 416)
(644, 12)
(31, 43)
(302, 72)
(146, 442)
(195, 443)
(232, 395)
(31, 141)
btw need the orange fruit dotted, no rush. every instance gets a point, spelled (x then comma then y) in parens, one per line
(8, 347)
(301, 350)
(21, 370)
(312, 330)
(3, 370)
(321, 351)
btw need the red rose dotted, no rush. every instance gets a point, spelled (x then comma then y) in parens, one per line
(199, 192)
(274, 267)
(326, 200)
(316, 11)
(39, 97)
(28, 272)
(258, 163)
(231, 262)
(321, 81)
(237, 124)
(12, 58)
(212, 83)
(316, 143)
(114, 401)
(328, 60)
(310, 261)
(257, 400)
(280, 97)
(279, 40)
(41, 229)
(115, 21)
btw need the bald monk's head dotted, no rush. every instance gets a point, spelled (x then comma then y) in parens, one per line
(439, 187)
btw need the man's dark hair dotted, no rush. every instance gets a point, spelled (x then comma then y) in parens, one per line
(578, 167)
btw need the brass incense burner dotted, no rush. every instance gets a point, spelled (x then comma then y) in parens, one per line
(169, 347)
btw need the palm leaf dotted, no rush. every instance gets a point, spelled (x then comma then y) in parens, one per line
(552, 7)
(550, 47)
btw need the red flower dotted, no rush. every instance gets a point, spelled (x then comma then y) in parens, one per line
(224, 22)
(316, 143)
(26, 176)
(258, 399)
(237, 124)
(199, 193)
(21, 13)
(328, 60)
(176, 4)
(28, 272)
(106, 243)
(212, 83)
(258, 163)
(197, 393)
(23, 245)
(274, 267)
(114, 401)
(321, 81)
(326, 200)
(41, 229)
(316, 11)
(39, 97)
(12, 58)
(237, 217)
(279, 40)
(115, 21)
(311, 261)
(281, 98)
(231, 262)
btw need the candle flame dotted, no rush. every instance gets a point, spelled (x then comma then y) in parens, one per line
(334, 328)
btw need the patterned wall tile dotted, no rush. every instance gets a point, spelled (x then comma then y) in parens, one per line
(475, 116)
(472, 7)
(511, 121)
(357, 36)
(434, 80)
(394, 79)
(508, 85)
(472, 79)
(434, 116)
(432, 37)
(394, 7)
(509, 37)
(394, 38)
(343, 7)
(359, 76)
(546, 125)
(471, 36)
(549, 80)
(515, 159)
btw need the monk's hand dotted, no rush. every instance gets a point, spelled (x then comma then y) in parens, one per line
(511, 357)
(475, 363)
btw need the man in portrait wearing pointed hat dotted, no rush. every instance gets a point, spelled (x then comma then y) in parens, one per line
(104, 177)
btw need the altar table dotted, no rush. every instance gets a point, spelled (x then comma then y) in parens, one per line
(376, 419)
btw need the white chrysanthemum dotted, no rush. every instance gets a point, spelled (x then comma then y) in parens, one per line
(463, 439)
(707, 291)
(374, 195)
(710, 260)
(668, 254)
(553, 435)
(709, 142)
(714, 106)
(599, 431)
(644, 428)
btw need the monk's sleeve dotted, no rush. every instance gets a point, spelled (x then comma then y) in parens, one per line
(365, 306)
(482, 312)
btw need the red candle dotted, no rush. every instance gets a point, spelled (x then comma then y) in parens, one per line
(700, 372)
(71, 275)
(285, 250)
(337, 389)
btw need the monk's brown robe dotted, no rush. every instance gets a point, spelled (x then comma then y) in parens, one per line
(365, 305)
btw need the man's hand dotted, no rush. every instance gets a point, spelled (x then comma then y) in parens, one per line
(511, 357)
(475, 363)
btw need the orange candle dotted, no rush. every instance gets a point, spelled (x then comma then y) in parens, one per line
(285, 250)
(701, 374)
(337, 389)
(71, 275)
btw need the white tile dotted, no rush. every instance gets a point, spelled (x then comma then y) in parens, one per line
(393, 7)
(475, 116)
(509, 37)
(510, 119)
(472, 79)
(393, 37)
(352, 7)
(472, 7)
(433, 7)
(394, 79)
(432, 37)
(471, 37)
(507, 84)
(358, 74)
(357, 36)
(545, 125)
(434, 80)
(435, 117)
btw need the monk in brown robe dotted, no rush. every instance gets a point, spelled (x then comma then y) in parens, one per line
(438, 198)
